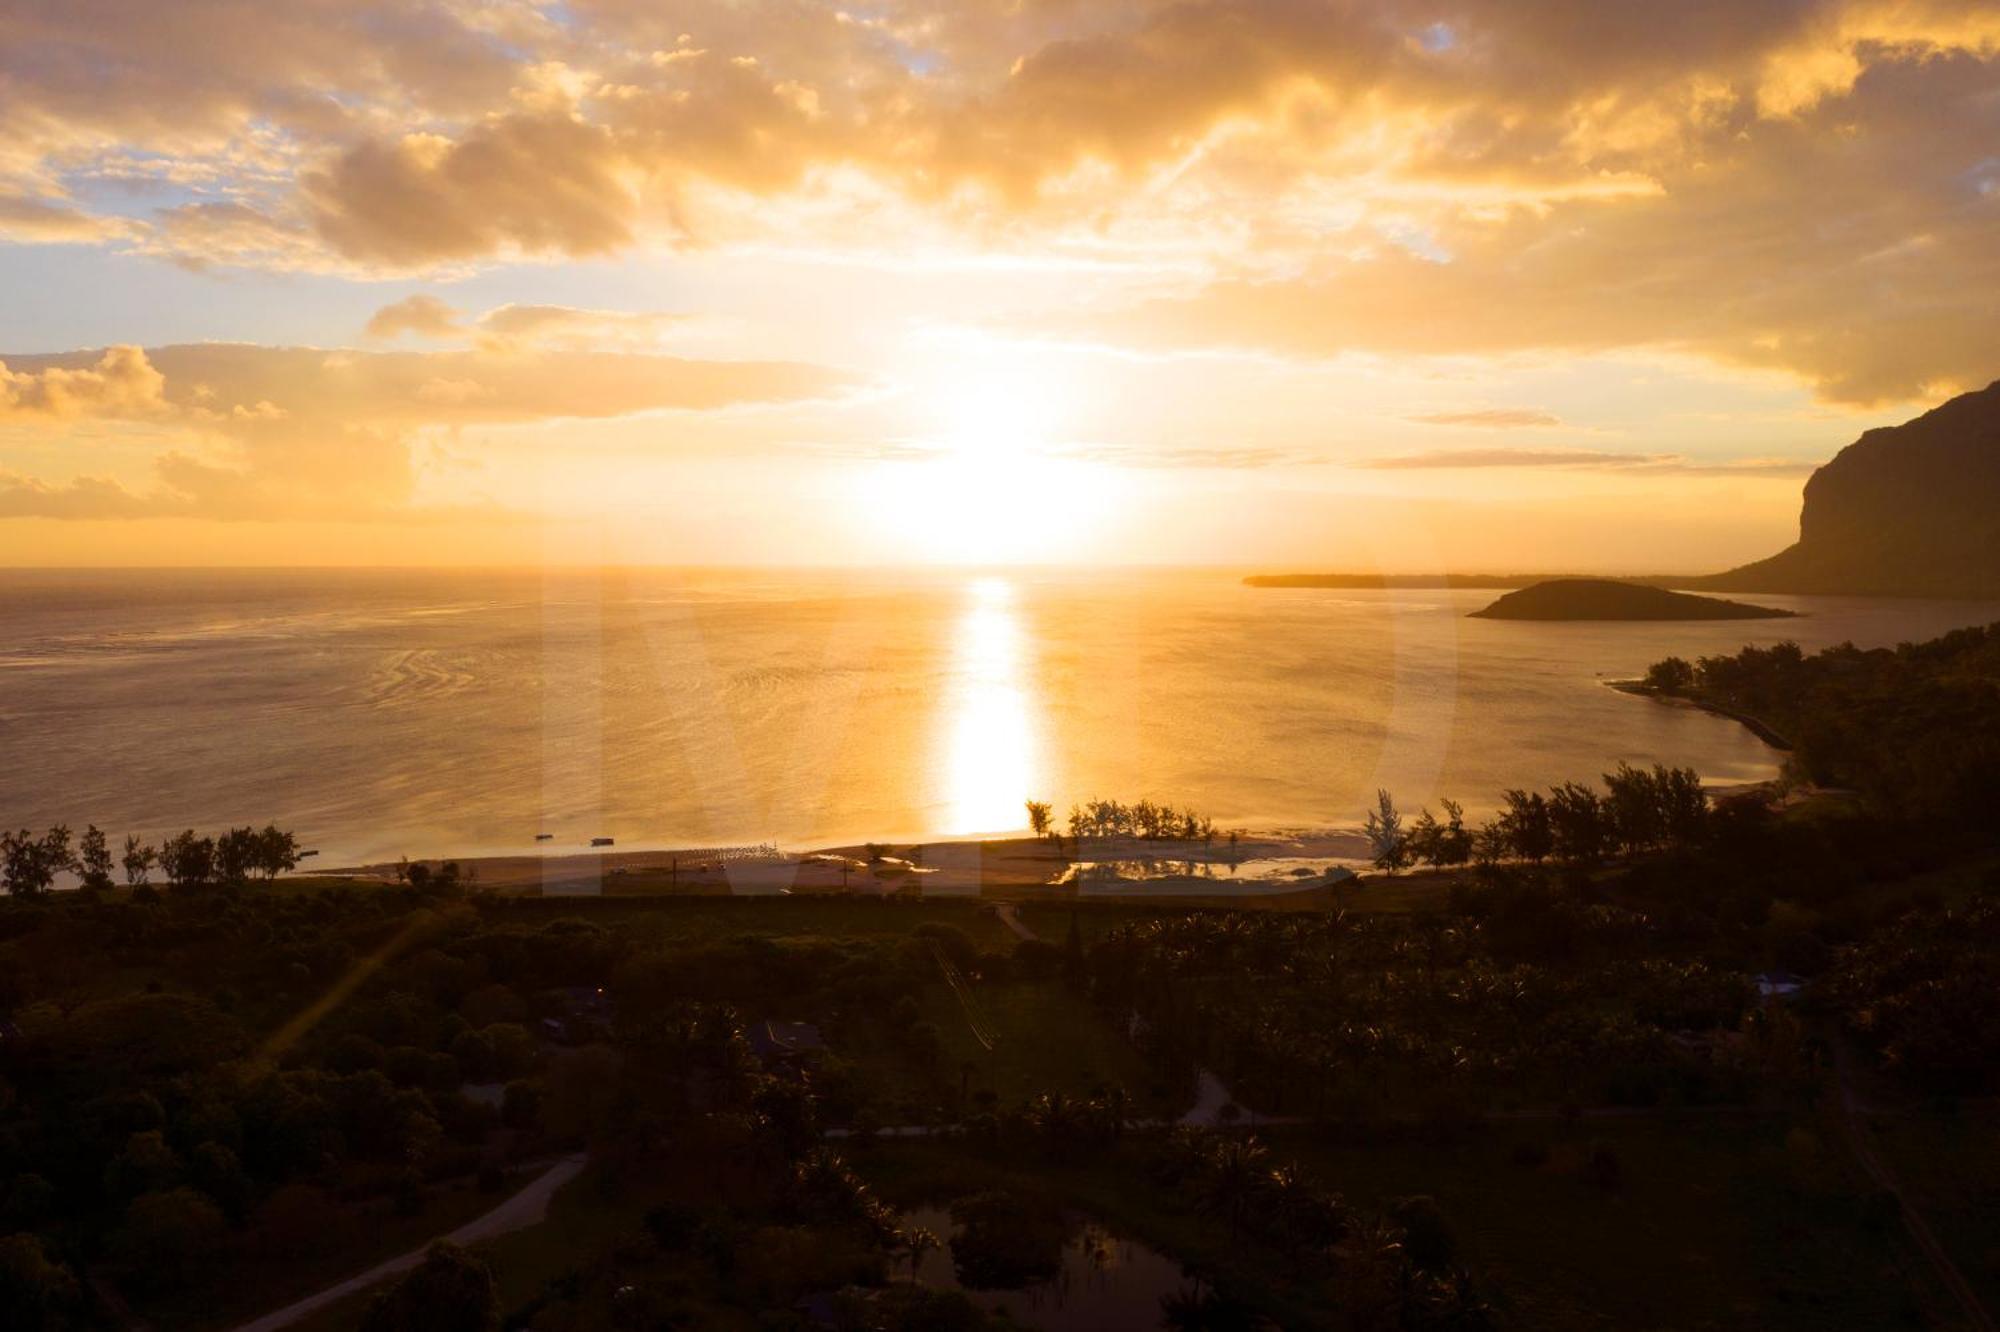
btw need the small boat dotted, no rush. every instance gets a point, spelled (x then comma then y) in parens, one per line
(307, 855)
(602, 841)
(545, 837)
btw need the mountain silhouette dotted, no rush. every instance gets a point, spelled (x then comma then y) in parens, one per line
(1908, 510)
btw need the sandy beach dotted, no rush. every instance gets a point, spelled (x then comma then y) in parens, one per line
(1254, 864)
(1760, 729)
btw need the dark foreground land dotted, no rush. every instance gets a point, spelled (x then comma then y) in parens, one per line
(1631, 1062)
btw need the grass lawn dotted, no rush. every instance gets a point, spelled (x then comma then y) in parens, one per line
(1373, 892)
(307, 882)
(1094, 920)
(1046, 1039)
(697, 918)
(1419, 890)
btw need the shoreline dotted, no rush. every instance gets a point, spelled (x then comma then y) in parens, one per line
(1453, 581)
(1013, 864)
(1761, 729)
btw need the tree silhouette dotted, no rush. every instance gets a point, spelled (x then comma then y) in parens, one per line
(1040, 813)
(138, 860)
(188, 860)
(1386, 837)
(1526, 822)
(1579, 826)
(30, 864)
(450, 1291)
(93, 858)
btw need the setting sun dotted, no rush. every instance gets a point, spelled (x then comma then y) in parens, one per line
(993, 473)
(998, 410)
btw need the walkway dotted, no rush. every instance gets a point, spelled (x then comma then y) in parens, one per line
(528, 1207)
(1011, 918)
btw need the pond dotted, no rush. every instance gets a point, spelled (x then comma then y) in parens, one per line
(1105, 1283)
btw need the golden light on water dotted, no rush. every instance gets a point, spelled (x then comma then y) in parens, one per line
(990, 764)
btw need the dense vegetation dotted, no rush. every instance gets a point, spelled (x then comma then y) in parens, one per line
(1141, 819)
(30, 861)
(1914, 729)
(1639, 810)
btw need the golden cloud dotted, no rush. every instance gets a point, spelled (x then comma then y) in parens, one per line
(522, 327)
(516, 185)
(119, 383)
(421, 315)
(1492, 418)
(264, 431)
(1853, 244)
(1805, 184)
(34, 221)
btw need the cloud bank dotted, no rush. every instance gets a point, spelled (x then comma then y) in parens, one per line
(1803, 185)
(262, 432)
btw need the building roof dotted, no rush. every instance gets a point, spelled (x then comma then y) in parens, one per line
(1778, 984)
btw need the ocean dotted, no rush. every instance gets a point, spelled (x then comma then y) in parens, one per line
(434, 713)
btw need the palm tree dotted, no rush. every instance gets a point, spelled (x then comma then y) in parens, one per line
(1234, 1182)
(1372, 1263)
(1386, 837)
(917, 1242)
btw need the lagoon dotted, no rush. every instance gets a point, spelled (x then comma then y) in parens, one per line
(382, 713)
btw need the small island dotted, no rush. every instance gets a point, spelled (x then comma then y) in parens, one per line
(1608, 599)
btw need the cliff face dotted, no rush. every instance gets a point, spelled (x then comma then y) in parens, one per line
(1908, 510)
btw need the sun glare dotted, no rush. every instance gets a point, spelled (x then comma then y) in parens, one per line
(991, 746)
(995, 479)
(997, 413)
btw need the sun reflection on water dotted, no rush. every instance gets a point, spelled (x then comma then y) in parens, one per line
(991, 742)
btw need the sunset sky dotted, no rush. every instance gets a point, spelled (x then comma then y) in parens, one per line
(1494, 284)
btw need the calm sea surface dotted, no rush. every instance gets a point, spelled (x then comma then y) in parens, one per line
(431, 713)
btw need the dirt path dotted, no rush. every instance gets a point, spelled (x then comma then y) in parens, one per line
(1209, 1098)
(1854, 1126)
(1011, 918)
(975, 1021)
(528, 1207)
